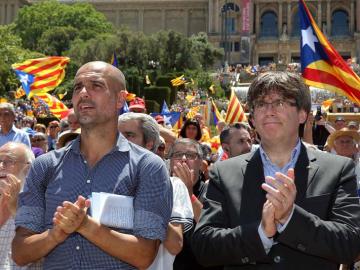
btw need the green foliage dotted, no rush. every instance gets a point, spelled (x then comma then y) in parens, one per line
(206, 52)
(157, 93)
(166, 81)
(34, 22)
(57, 40)
(152, 106)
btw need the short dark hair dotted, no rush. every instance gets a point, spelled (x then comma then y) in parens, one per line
(193, 122)
(225, 133)
(287, 84)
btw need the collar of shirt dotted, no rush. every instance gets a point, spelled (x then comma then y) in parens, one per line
(13, 129)
(270, 168)
(122, 144)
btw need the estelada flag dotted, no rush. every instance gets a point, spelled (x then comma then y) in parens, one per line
(216, 114)
(321, 65)
(235, 112)
(47, 73)
(56, 107)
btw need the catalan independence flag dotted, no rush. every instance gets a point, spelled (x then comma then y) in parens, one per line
(235, 112)
(42, 74)
(114, 60)
(322, 66)
(178, 81)
(216, 114)
(55, 106)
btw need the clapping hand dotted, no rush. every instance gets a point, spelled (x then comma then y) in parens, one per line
(281, 192)
(9, 189)
(71, 216)
(187, 175)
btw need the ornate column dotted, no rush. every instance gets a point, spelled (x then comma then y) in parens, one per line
(187, 22)
(328, 17)
(211, 16)
(141, 19)
(280, 20)
(163, 18)
(289, 20)
(352, 18)
(257, 19)
(216, 16)
(358, 12)
(319, 15)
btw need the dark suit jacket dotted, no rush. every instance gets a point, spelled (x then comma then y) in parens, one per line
(323, 231)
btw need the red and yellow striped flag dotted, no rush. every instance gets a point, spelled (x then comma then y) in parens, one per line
(19, 93)
(322, 66)
(235, 112)
(193, 111)
(48, 72)
(56, 107)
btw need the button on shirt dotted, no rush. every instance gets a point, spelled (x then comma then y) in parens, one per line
(15, 135)
(63, 175)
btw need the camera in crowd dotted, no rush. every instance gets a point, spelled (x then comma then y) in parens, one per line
(318, 114)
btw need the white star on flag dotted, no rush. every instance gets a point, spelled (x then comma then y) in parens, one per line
(309, 38)
(167, 119)
(24, 79)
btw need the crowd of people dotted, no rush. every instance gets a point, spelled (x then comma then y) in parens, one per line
(280, 191)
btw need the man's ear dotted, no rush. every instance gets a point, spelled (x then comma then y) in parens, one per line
(225, 147)
(121, 99)
(149, 145)
(302, 116)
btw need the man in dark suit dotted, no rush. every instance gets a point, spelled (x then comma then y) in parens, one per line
(284, 206)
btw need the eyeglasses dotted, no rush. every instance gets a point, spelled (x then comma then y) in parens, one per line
(53, 126)
(188, 155)
(278, 105)
(5, 114)
(344, 142)
(38, 139)
(8, 162)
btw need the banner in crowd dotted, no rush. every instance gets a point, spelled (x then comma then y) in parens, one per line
(170, 118)
(55, 106)
(235, 112)
(42, 74)
(322, 66)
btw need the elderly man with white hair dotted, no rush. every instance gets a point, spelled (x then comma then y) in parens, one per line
(15, 160)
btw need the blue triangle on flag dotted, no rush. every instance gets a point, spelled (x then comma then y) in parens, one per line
(26, 80)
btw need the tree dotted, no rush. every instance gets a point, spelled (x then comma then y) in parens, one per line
(206, 52)
(35, 23)
(11, 52)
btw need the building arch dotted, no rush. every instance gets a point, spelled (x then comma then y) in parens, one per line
(295, 19)
(340, 22)
(230, 13)
(269, 24)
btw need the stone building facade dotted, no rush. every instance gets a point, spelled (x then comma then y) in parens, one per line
(250, 31)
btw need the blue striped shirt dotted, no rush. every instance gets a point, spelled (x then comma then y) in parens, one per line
(64, 174)
(15, 135)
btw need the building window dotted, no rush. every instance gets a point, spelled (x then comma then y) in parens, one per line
(236, 46)
(269, 25)
(295, 29)
(340, 23)
(264, 61)
(231, 25)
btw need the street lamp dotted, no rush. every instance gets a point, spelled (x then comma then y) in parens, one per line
(225, 31)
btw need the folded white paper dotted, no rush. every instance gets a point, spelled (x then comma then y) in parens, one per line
(113, 210)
